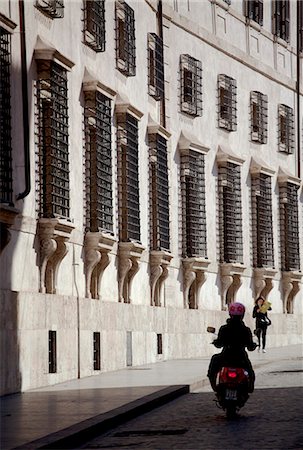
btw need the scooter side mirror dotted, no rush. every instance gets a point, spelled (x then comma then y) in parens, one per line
(210, 330)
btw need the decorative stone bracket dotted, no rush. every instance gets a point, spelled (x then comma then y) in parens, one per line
(97, 247)
(53, 235)
(231, 281)
(194, 275)
(159, 262)
(263, 281)
(129, 256)
(7, 218)
(291, 286)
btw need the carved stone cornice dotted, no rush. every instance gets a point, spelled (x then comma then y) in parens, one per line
(159, 262)
(53, 235)
(7, 218)
(129, 257)
(263, 281)
(230, 274)
(194, 275)
(291, 286)
(97, 246)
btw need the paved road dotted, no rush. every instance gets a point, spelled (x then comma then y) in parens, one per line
(271, 419)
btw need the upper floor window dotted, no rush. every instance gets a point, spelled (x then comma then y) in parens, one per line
(155, 66)
(159, 193)
(262, 221)
(52, 137)
(227, 103)
(254, 10)
(125, 39)
(193, 204)
(289, 225)
(191, 85)
(258, 117)
(230, 213)
(52, 8)
(128, 177)
(286, 129)
(98, 158)
(281, 22)
(94, 24)
(5, 118)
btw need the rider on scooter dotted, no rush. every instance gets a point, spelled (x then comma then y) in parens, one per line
(234, 337)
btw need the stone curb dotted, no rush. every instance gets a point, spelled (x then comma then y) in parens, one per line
(78, 434)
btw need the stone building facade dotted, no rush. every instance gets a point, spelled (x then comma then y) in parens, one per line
(151, 174)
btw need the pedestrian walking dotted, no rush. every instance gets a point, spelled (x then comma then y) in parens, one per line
(262, 321)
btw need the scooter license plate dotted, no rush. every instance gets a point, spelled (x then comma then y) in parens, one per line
(231, 394)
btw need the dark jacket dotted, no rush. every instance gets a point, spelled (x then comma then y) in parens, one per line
(262, 321)
(235, 337)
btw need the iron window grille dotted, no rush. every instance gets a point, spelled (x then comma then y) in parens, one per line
(281, 22)
(52, 351)
(262, 221)
(159, 193)
(230, 214)
(159, 344)
(53, 154)
(155, 66)
(94, 24)
(228, 2)
(286, 129)
(254, 10)
(52, 8)
(300, 20)
(6, 189)
(191, 85)
(258, 117)
(193, 205)
(125, 39)
(98, 157)
(128, 178)
(96, 350)
(227, 103)
(289, 224)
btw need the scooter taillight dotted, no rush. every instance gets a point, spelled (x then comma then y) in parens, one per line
(232, 374)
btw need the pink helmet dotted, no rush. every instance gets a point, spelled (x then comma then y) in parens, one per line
(236, 309)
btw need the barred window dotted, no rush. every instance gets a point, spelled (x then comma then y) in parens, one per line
(125, 39)
(128, 177)
(94, 24)
(155, 66)
(97, 350)
(52, 8)
(52, 351)
(159, 195)
(227, 103)
(258, 117)
(98, 156)
(289, 224)
(281, 21)
(53, 139)
(286, 129)
(193, 204)
(191, 85)
(254, 10)
(230, 207)
(262, 221)
(5, 118)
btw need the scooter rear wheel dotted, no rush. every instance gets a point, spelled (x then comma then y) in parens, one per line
(231, 411)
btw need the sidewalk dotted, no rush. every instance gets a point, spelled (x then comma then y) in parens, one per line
(60, 416)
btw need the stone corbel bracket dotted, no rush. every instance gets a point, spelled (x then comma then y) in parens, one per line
(97, 246)
(129, 257)
(263, 281)
(291, 286)
(230, 274)
(53, 235)
(7, 218)
(159, 262)
(194, 274)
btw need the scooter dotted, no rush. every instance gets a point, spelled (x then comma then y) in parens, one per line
(232, 387)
